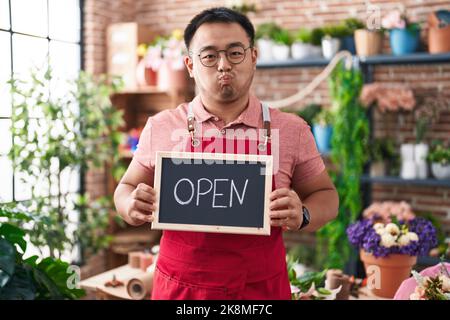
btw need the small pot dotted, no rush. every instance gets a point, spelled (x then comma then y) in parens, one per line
(404, 41)
(368, 43)
(378, 169)
(302, 50)
(440, 171)
(330, 46)
(348, 43)
(322, 135)
(265, 49)
(280, 52)
(408, 170)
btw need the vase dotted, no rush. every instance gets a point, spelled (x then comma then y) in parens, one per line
(438, 35)
(404, 41)
(388, 272)
(440, 171)
(408, 167)
(420, 157)
(330, 46)
(170, 79)
(265, 49)
(322, 135)
(280, 52)
(145, 76)
(348, 43)
(301, 50)
(368, 43)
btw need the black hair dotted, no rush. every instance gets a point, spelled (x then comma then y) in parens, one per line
(219, 14)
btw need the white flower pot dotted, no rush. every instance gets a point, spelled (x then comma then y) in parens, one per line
(330, 46)
(265, 49)
(440, 171)
(301, 50)
(280, 52)
(408, 170)
(421, 169)
(421, 152)
(407, 152)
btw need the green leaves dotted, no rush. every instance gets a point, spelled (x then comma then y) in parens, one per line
(349, 154)
(14, 235)
(7, 261)
(56, 135)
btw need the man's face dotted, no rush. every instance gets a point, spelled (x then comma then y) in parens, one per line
(224, 82)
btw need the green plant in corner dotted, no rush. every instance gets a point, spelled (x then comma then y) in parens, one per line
(349, 154)
(30, 279)
(56, 136)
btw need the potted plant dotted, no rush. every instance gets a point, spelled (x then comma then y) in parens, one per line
(331, 41)
(404, 35)
(172, 74)
(282, 39)
(369, 40)
(323, 130)
(307, 43)
(439, 157)
(390, 237)
(264, 39)
(30, 278)
(439, 31)
(382, 155)
(348, 40)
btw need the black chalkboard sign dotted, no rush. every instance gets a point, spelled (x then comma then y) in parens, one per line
(213, 192)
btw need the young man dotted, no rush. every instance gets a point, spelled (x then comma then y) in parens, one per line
(197, 265)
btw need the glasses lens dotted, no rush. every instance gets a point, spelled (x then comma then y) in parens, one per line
(235, 54)
(209, 57)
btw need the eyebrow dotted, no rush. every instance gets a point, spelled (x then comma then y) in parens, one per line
(230, 45)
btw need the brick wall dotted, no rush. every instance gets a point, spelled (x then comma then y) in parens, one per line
(165, 15)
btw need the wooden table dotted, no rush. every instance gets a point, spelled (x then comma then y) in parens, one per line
(97, 283)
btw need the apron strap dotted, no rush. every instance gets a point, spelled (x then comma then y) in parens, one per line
(266, 123)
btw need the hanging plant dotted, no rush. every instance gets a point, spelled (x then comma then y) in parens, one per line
(348, 154)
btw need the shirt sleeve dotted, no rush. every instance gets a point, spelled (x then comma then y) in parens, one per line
(309, 162)
(144, 152)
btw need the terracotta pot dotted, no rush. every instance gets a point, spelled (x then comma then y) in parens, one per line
(145, 76)
(393, 270)
(368, 43)
(438, 37)
(170, 79)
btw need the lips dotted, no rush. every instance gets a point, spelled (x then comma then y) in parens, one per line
(225, 79)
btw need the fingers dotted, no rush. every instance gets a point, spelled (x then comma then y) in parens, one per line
(283, 214)
(284, 202)
(282, 192)
(136, 215)
(144, 193)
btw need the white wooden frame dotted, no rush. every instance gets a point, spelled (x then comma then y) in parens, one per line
(267, 160)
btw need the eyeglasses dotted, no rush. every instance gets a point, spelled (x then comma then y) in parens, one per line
(235, 55)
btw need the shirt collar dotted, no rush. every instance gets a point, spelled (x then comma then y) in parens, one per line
(250, 116)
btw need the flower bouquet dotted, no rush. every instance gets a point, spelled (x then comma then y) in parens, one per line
(433, 283)
(390, 237)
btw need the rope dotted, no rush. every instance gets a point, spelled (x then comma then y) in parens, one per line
(313, 84)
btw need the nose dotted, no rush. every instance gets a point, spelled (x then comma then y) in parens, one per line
(223, 64)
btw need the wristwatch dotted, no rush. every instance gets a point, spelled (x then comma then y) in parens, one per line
(306, 218)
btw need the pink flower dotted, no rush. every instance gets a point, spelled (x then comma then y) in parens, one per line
(387, 97)
(394, 20)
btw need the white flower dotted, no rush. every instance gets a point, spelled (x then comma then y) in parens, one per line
(412, 236)
(378, 226)
(403, 240)
(393, 229)
(445, 282)
(387, 240)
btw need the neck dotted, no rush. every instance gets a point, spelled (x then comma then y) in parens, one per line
(226, 111)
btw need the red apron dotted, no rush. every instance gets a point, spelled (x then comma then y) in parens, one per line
(218, 266)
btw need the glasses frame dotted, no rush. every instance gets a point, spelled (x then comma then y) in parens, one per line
(226, 55)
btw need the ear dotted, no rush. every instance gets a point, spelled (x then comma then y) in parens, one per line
(254, 55)
(189, 65)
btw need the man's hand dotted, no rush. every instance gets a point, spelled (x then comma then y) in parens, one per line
(285, 209)
(141, 204)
